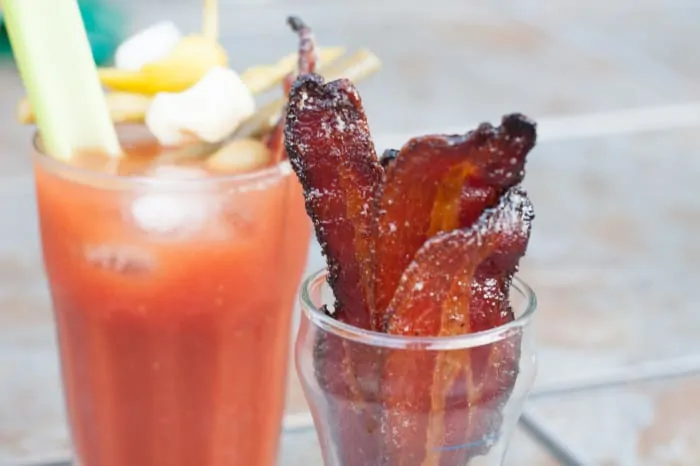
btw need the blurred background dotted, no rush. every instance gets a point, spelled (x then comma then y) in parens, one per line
(614, 259)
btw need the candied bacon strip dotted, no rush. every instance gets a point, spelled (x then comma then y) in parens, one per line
(422, 411)
(473, 201)
(439, 183)
(308, 54)
(331, 151)
(495, 242)
(351, 411)
(489, 371)
(307, 64)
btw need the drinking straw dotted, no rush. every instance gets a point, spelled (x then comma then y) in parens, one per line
(53, 55)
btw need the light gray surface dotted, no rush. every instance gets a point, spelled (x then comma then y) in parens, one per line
(614, 255)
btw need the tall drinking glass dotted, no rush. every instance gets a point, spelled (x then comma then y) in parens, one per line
(387, 400)
(173, 300)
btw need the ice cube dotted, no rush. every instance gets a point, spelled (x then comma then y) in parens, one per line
(123, 259)
(166, 213)
(176, 209)
(236, 219)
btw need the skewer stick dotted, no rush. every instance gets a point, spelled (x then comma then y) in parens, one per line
(210, 28)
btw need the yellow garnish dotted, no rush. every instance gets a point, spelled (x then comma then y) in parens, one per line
(239, 156)
(186, 64)
(123, 107)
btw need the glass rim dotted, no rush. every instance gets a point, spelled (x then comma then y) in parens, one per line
(279, 170)
(378, 339)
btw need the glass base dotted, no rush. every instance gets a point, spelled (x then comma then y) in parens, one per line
(300, 447)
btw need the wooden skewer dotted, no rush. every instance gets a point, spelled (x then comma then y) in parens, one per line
(131, 108)
(356, 67)
(262, 78)
(124, 107)
(210, 26)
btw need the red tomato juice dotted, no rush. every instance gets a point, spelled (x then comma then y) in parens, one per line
(173, 337)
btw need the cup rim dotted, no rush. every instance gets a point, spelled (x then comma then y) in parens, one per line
(280, 170)
(378, 339)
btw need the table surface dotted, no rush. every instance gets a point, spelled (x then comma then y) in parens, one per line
(614, 254)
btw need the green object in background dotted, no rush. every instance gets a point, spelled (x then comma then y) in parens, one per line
(104, 24)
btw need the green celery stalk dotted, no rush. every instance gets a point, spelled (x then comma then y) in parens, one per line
(53, 55)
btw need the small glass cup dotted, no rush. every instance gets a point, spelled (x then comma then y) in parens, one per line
(375, 399)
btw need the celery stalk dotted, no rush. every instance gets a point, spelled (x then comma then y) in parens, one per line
(53, 55)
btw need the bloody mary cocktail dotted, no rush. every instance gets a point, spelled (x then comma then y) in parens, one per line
(173, 295)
